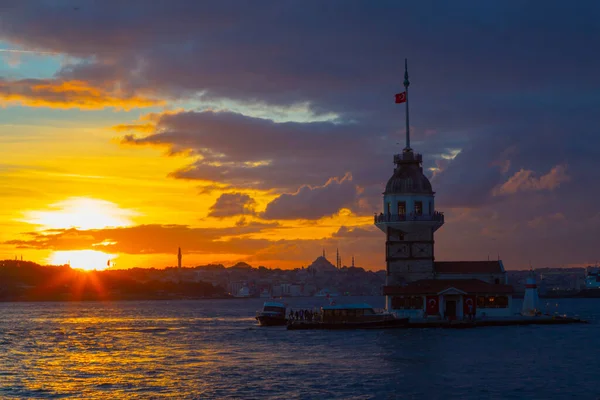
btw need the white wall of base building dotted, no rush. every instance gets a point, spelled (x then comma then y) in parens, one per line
(479, 312)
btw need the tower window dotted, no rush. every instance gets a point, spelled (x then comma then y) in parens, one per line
(389, 208)
(401, 208)
(418, 208)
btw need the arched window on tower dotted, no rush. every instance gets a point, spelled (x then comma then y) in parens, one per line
(389, 208)
(401, 208)
(418, 208)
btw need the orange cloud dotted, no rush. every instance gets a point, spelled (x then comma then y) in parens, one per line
(144, 128)
(148, 239)
(147, 123)
(69, 94)
(525, 180)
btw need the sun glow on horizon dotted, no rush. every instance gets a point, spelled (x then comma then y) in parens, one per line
(82, 259)
(82, 213)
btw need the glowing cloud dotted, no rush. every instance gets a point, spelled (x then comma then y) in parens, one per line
(82, 213)
(82, 259)
(69, 94)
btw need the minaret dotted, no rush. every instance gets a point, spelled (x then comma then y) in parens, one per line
(179, 263)
(409, 218)
(337, 258)
(353, 261)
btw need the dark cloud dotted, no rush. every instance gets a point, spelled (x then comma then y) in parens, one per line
(314, 202)
(344, 56)
(232, 204)
(248, 152)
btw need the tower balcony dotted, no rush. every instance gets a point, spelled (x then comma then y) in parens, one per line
(435, 217)
(408, 222)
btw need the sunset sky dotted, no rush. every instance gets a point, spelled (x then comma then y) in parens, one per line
(264, 131)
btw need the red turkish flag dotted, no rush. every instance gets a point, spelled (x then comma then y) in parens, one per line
(469, 305)
(400, 97)
(433, 305)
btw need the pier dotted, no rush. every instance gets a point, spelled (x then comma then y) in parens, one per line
(517, 321)
(441, 324)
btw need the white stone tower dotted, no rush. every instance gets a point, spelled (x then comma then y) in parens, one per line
(531, 300)
(409, 218)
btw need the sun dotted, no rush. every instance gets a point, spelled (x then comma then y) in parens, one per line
(83, 259)
(81, 213)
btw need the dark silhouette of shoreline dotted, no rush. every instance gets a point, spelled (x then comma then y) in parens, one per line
(28, 281)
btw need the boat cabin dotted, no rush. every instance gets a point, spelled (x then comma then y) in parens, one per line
(274, 307)
(272, 314)
(348, 313)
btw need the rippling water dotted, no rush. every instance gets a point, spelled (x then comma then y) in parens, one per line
(214, 349)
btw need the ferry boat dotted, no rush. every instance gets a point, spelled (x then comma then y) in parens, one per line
(350, 316)
(272, 314)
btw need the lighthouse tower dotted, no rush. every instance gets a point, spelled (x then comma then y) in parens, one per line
(531, 300)
(409, 218)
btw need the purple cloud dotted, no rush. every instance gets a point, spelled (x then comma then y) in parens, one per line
(314, 202)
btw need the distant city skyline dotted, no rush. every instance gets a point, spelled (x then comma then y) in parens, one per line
(263, 134)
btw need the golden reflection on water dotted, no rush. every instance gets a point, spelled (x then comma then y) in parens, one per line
(173, 350)
(106, 357)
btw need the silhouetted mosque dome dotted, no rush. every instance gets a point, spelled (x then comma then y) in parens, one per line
(321, 264)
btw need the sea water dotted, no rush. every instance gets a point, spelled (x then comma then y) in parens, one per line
(214, 349)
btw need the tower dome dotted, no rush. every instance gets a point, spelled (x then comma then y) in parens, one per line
(408, 176)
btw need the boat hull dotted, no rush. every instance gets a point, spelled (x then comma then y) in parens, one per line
(380, 324)
(270, 320)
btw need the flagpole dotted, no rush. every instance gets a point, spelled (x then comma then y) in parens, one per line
(406, 83)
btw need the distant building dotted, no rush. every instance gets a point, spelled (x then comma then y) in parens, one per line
(235, 287)
(592, 278)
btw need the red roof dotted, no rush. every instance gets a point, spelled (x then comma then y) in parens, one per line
(435, 286)
(468, 267)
